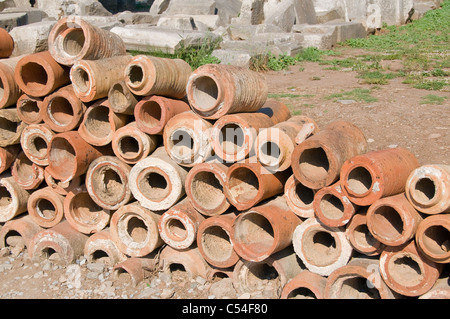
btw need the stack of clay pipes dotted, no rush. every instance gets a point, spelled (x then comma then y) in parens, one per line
(149, 165)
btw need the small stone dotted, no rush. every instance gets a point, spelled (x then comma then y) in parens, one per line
(245, 295)
(200, 280)
(434, 135)
(346, 101)
(370, 140)
(167, 293)
(96, 267)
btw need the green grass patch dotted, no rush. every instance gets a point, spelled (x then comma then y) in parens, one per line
(359, 95)
(194, 56)
(433, 99)
(283, 95)
(376, 77)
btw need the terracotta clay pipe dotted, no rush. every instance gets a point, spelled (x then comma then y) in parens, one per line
(11, 91)
(121, 99)
(134, 229)
(46, 207)
(393, 220)
(407, 271)
(153, 112)
(317, 161)
(29, 109)
(215, 232)
(11, 127)
(107, 182)
(27, 174)
(131, 145)
(432, 238)
(6, 44)
(233, 136)
(178, 226)
(62, 110)
(7, 156)
(274, 145)
(299, 197)
(264, 230)
(204, 188)
(38, 74)
(185, 139)
(83, 214)
(157, 181)
(69, 155)
(72, 39)
(14, 198)
(368, 177)
(100, 123)
(428, 189)
(34, 141)
(147, 75)
(92, 79)
(249, 183)
(215, 90)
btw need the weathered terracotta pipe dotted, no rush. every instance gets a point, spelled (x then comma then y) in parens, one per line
(13, 198)
(393, 220)
(368, 177)
(274, 145)
(157, 181)
(280, 267)
(153, 112)
(219, 273)
(317, 161)
(214, 241)
(178, 226)
(185, 138)
(100, 122)
(6, 44)
(428, 189)
(107, 182)
(38, 74)
(433, 238)
(214, 90)
(27, 174)
(441, 290)
(134, 229)
(83, 214)
(61, 243)
(406, 271)
(134, 269)
(62, 110)
(122, 100)
(332, 207)
(147, 75)
(29, 109)
(204, 188)
(34, 141)
(11, 127)
(191, 259)
(7, 156)
(23, 225)
(69, 156)
(92, 79)
(233, 135)
(62, 187)
(299, 197)
(11, 91)
(46, 207)
(359, 235)
(100, 248)
(264, 230)
(322, 249)
(305, 285)
(359, 279)
(72, 39)
(248, 184)
(131, 145)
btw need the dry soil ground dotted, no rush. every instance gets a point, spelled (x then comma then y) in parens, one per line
(396, 119)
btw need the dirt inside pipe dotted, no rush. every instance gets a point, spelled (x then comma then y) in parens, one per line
(207, 190)
(216, 243)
